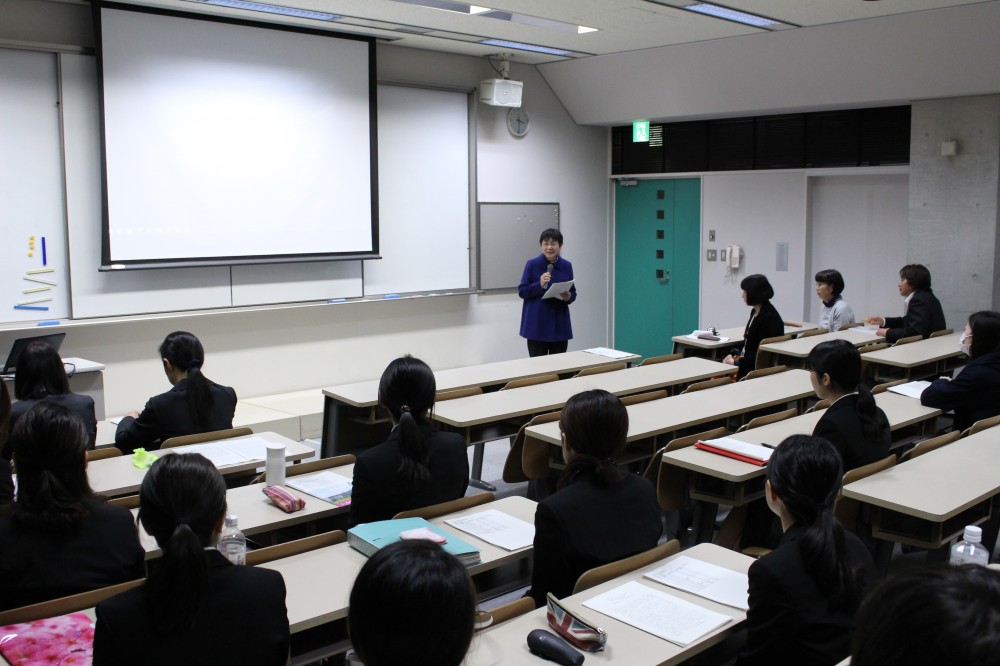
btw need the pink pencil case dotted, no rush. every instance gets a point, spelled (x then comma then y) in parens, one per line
(284, 500)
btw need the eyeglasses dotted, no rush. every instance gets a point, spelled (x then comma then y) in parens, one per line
(551, 243)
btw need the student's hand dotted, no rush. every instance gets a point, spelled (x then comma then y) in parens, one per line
(729, 360)
(875, 321)
(565, 295)
(545, 279)
(134, 414)
(947, 379)
(882, 332)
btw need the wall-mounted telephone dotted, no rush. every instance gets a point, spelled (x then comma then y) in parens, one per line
(733, 254)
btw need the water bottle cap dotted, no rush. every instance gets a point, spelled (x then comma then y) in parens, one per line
(232, 520)
(973, 533)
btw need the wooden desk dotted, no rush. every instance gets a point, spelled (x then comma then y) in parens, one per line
(506, 645)
(919, 360)
(718, 350)
(117, 476)
(319, 582)
(306, 406)
(794, 352)
(349, 410)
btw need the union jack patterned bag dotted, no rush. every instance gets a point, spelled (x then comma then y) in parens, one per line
(574, 628)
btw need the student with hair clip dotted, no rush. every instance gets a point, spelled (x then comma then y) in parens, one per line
(6, 478)
(853, 423)
(764, 322)
(931, 615)
(196, 607)
(429, 595)
(922, 310)
(41, 375)
(973, 392)
(804, 594)
(59, 537)
(598, 514)
(195, 404)
(835, 313)
(418, 465)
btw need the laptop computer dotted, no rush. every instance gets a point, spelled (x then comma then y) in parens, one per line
(55, 339)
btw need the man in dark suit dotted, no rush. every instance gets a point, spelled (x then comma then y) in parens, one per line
(922, 310)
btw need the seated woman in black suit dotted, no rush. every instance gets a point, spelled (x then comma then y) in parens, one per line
(804, 595)
(414, 604)
(853, 422)
(764, 322)
(41, 375)
(195, 404)
(196, 607)
(973, 393)
(598, 514)
(417, 466)
(60, 539)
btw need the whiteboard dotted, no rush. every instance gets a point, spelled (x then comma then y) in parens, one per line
(508, 237)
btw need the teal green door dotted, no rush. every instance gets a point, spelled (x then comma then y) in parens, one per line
(657, 229)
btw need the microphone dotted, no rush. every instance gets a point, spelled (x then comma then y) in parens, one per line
(547, 645)
(548, 269)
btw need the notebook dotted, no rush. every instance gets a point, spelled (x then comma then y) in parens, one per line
(369, 537)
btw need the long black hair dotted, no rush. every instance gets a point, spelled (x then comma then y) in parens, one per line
(49, 443)
(5, 452)
(40, 372)
(595, 425)
(181, 503)
(985, 326)
(185, 353)
(806, 474)
(842, 362)
(407, 390)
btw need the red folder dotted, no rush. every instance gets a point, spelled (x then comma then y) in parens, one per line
(729, 454)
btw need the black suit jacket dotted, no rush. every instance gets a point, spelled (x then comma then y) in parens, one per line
(767, 324)
(6, 482)
(790, 621)
(83, 405)
(585, 525)
(40, 565)
(974, 394)
(923, 316)
(242, 620)
(841, 425)
(168, 415)
(379, 493)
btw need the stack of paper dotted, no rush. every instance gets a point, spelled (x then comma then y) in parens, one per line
(910, 389)
(230, 452)
(325, 485)
(754, 454)
(610, 353)
(704, 579)
(497, 528)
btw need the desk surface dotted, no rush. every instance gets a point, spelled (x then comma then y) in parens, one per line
(656, 417)
(117, 476)
(735, 335)
(489, 407)
(319, 582)
(800, 347)
(506, 645)
(939, 484)
(365, 394)
(917, 353)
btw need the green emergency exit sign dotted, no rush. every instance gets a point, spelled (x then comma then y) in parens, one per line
(640, 131)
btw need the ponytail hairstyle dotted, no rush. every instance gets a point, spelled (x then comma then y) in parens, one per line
(49, 443)
(40, 372)
(806, 474)
(185, 353)
(407, 390)
(985, 326)
(181, 504)
(595, 425)
(842, 361)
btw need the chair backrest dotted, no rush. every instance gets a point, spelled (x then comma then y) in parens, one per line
(943, 331)
(510, 610)
(262, 555)
(666, 358)
(794, 324)
(606, 572)
(64, 605)
(530, 381)
(815, 331)
(929, 445)
(764, 372)
(981, 425)
(864, 349)
(102, 453)
(847, 511)
(907, 340)
(444, 508)
(199, 437)
(764, 357)
(670, 480)
(770, 418)
(643, 397)
(441, 396)
(820, 404)
(536, 453)
(598, 369)
(317, 465)
(513, 467)
(777, 338)
(882, 388)
(708, 383)
(127, 502)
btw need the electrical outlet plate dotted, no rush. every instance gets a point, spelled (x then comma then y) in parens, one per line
(711, 235)
(722, 255)
(711, 255)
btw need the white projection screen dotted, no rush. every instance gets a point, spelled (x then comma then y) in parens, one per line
(231, 142)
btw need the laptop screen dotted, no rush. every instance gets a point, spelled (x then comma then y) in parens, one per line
(54, 339)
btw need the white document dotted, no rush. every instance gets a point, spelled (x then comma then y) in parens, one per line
(755, 451)
(657, 613)
(325, 485)
(557, 288)
(253, 448)
(694, 336)
(910, 389)
(219, 455)
(610, 353)
(497, 528)
(711, 581)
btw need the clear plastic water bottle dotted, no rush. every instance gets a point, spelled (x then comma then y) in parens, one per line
(970, 549)
(232, 543)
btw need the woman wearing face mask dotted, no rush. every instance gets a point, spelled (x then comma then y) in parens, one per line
(973, 393)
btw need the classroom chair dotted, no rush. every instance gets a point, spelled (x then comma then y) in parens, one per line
(928, 445)
(943, 331)
(907, 340)
(794, 324)
(765, 358)
(848, 511)
(101, 454)
(708, 383)
(127, 502)
(514, 467)
(815, 331)
(508, 611)
(764, 372)
(441, 396)
(666, 358)
(444, 508)
(606, 572)
(64, 605)
(769, 418)
(199, 437)
(312, 466)
(599, 369)
(314, 542)
(648, 396)
(530, 381)
(885, 386)
(820, 404)
(981, 425)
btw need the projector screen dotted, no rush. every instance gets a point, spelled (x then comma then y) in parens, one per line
(230, 142)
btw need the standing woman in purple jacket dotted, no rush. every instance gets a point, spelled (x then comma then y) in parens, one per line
(545, 321)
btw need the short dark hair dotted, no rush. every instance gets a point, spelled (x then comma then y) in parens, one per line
(931, 615)
(833, 278)
(427, 593)
(595, 424)
(40, 372)
(758, 289)
(985, 326)
(551, 233)
(917, 275)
